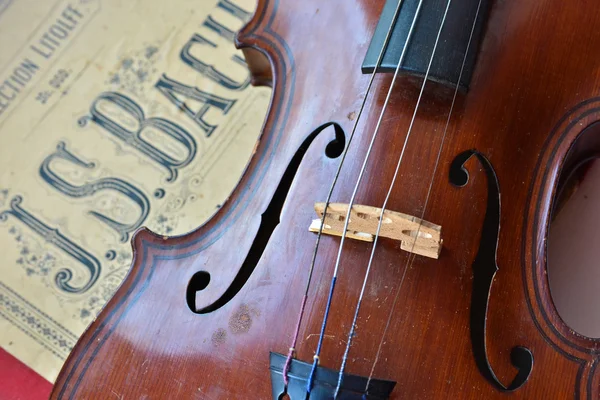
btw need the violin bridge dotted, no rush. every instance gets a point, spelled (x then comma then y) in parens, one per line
(415, 235)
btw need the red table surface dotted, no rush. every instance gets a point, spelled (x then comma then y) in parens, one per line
(19, 382)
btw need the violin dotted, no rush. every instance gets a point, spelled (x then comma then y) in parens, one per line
(388, 237)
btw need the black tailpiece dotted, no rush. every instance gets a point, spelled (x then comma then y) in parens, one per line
(353, 387)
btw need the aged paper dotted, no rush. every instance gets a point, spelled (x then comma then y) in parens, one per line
(113, 115)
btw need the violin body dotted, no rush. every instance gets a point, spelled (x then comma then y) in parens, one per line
(529, 115)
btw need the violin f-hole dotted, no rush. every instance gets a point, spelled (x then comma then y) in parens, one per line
(484, 269)
(270, 218)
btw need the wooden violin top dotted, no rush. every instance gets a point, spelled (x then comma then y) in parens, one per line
(199, 314)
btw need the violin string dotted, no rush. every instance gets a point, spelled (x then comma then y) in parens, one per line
(380, 57)
(352, 199)
(385, 202)
(412, 256)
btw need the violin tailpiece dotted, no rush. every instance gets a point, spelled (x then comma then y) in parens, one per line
(354, 387)
(416, 235)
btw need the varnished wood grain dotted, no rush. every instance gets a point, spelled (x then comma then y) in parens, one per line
(535, 89)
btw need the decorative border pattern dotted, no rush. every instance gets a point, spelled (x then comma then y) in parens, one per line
(35, 323)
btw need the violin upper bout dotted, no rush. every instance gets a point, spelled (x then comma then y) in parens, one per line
(251, 40)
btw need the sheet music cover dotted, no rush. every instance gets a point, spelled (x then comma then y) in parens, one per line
(113, 115)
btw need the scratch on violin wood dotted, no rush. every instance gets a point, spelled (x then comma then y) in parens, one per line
(316, 334)
(119, 396)
(180, 385)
